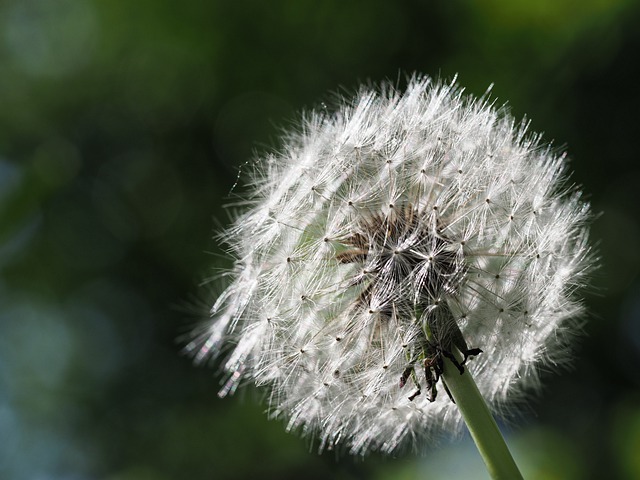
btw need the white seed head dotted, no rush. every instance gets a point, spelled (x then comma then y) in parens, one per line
(399, 222)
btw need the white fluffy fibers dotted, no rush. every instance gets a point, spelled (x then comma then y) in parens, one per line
(402, 224)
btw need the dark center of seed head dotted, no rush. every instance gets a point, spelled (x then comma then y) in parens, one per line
(412, 268)
(404, 253)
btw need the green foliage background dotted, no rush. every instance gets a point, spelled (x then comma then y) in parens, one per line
(123, 125)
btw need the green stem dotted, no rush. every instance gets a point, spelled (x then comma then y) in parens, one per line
(481, 425)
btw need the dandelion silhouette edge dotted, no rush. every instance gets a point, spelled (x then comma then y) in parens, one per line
(380, 235)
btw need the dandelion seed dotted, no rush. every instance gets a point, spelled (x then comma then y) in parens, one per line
(384, 237)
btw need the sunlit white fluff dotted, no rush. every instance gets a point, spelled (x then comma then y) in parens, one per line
(397, 210)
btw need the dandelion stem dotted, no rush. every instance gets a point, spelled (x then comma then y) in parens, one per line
(480, 422)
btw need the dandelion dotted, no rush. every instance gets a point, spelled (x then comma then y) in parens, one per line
(400, 234)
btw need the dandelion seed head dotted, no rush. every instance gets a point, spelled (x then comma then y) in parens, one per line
(397, 215)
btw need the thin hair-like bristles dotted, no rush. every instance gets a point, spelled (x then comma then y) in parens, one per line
(379, 238)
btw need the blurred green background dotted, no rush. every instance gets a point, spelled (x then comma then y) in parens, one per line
(123, 125)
